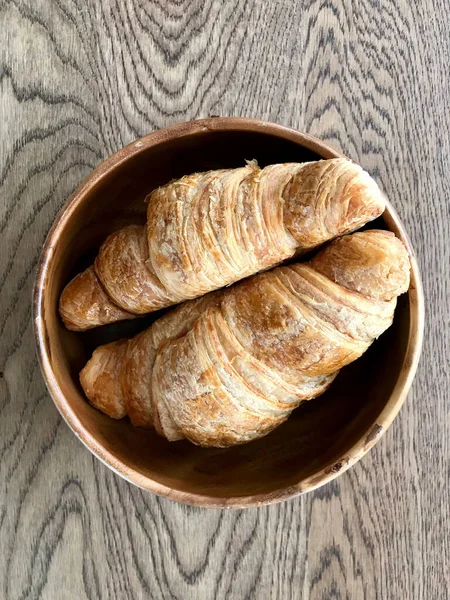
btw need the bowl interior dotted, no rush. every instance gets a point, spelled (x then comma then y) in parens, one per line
(318, 433)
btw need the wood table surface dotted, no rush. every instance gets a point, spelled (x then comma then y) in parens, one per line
(78, 80)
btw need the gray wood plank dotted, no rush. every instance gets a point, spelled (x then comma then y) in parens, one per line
(80, 79)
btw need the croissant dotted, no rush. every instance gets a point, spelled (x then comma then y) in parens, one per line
(231, 366)
(208, 230)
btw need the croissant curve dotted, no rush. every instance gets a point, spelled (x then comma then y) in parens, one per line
(208, 230)
(231, 366)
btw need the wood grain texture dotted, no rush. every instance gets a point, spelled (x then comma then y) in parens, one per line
(80, 79)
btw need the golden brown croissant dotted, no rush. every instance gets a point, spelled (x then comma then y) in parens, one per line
(208, 230)
(231, 366)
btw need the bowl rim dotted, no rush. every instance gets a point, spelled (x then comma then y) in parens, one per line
(375, 430)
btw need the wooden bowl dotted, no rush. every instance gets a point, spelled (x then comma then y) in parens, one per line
(320, 440)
